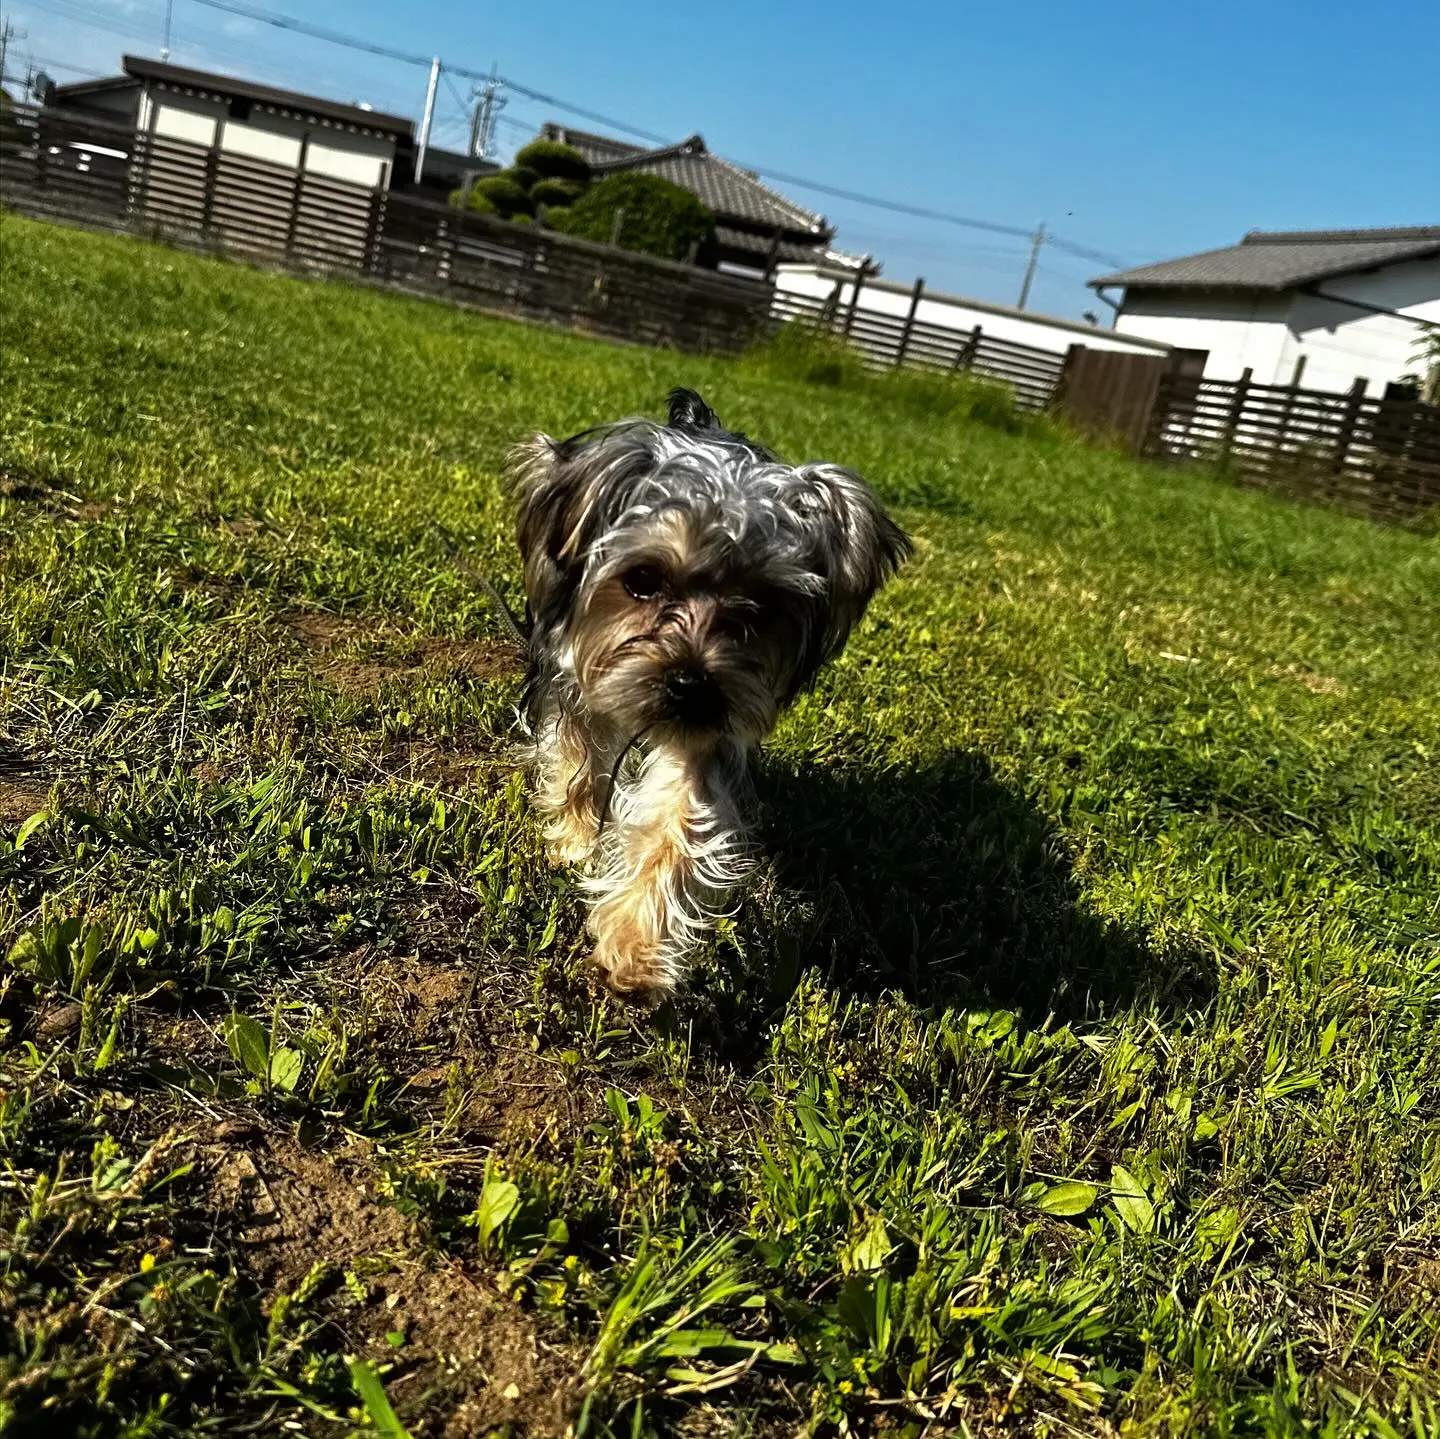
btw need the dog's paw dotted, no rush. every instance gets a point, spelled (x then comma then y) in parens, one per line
(568, 851)
(639, 984)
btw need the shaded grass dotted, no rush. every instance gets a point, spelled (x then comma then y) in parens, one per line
(1071, 1069)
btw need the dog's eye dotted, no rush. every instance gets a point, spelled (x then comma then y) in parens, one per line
(642, 582)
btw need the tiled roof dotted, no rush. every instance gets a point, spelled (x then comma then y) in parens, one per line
(728, 191)
(597, 149)
(227, 85)
(1284, 259)
(759, 245)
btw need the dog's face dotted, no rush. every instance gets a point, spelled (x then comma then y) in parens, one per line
(685, 579)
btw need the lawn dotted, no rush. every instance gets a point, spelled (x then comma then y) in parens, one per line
(1073, 1067)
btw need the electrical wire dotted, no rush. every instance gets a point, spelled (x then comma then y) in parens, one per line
(898, 207)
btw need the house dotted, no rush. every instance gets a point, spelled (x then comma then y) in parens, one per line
(756, 227)
(1322, 308)
(240, 161)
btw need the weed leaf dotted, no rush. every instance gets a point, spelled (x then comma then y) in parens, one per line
(285, 1067)
(498, 1201)
(1131, 1202)
(249, 1045)
(1068, 1200)
(377, 1406)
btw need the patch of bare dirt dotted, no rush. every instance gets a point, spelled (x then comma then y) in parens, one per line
(483, 659)
(20, 483)
(288, 1207)
(497, 1092)
(324, 636)
(469, 1358)
(24, 788)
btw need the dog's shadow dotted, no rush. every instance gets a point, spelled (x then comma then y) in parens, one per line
(940, 883)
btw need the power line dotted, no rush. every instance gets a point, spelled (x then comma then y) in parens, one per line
(898, 207)
(319, 32)
(46, 62)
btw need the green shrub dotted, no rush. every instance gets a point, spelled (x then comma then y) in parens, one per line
(994, 405)
(659, 218)
(478, 203)
(523, 176)
(554, 160)
(553, 192)
(798, 351)
(504, 193)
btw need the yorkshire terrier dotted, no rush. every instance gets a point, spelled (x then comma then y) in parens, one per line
(683, 585)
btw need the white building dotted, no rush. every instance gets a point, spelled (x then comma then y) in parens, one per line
(243, 162)
(950, 312)
(1319, 308)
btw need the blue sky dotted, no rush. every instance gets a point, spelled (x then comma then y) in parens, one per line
(1142, 131)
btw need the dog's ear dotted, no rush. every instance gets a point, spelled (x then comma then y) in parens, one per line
(858, 548)
(566, 490)
(549, 521)
(689, 412)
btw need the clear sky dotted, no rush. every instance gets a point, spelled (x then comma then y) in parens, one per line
(1142, 131)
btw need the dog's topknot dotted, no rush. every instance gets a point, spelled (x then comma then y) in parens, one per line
(689, 412)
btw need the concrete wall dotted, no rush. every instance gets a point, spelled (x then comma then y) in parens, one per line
(885, 297)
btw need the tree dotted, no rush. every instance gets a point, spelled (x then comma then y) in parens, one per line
(502, 195)
(656, 217)
(554, 160)
(1427, 351)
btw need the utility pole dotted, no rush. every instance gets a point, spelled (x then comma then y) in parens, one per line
(8, 32)
(482, 123)
(1036, 242)
(165, 48)
(429, 115)
(488, 104)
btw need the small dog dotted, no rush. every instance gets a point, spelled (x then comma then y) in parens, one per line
(683, 585)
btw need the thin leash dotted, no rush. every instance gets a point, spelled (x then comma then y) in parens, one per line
(615, 775)
(517, 627)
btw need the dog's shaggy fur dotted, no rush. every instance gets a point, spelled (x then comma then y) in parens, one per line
(683, 584)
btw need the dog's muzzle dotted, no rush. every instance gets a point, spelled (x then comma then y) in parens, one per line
(692, 697)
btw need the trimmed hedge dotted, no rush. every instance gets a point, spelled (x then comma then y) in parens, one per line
(504, 193)
(660, 218)
(554, 192)
(554, 160)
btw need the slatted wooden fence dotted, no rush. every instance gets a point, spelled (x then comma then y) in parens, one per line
(885, 341)
(82, 170)
(1372, 456)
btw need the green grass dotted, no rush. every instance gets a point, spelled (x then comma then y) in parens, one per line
(1072, 1069)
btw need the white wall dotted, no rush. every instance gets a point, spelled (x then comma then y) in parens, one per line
(1342, 343)
(331, 149)
(1239, 331)
(1269, 334)
(950, 312)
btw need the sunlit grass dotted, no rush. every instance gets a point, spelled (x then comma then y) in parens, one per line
(1072, 1068)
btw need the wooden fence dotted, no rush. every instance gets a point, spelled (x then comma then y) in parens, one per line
(59, 165)
(1371, 456)
(885, 341)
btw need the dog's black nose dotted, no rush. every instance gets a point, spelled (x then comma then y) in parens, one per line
(693, 697)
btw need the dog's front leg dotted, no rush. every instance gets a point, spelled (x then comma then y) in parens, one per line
(668, 866)
(565, 789)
